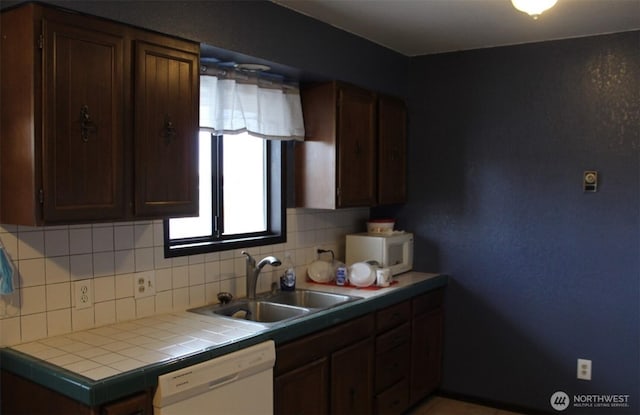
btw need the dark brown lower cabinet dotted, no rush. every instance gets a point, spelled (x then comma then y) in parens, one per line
(427, 324)
(393, 358)
(408, 352)
(303, 391)
(24, 397)
(331, 371)
(381, 363)
(352, 379)
(426, 356)
(393, 400)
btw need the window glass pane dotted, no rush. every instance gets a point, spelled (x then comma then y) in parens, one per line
(201, 225)
(244, 184)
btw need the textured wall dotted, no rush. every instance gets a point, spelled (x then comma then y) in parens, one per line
(542, 273)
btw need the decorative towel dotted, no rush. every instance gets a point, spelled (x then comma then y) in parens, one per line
(6, 273)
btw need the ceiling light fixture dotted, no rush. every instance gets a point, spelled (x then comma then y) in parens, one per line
(534, 8)
(252, 67)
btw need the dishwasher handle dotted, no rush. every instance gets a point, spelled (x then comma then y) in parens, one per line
(223, 381)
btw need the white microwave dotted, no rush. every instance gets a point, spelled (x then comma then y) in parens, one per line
(393, 251)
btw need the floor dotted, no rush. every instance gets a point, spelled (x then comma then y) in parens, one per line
(445, 406)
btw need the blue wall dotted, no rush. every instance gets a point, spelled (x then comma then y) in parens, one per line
(542, 273)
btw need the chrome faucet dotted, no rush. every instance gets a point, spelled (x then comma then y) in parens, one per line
(253, 271)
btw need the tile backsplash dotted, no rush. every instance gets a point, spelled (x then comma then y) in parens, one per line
(50, 261)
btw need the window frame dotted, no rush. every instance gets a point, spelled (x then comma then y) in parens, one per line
(276, 220)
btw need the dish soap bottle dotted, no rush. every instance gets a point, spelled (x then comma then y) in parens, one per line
(288, 279)
(341, 274)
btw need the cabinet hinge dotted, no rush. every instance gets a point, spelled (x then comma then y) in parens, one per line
(41, 41)
(41, 196)
(337, 191)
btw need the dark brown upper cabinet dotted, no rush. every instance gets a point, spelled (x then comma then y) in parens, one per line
(82, 141)
(335, 166)
(166, 123)
(73, 88)
(392, 151)
(352, 150)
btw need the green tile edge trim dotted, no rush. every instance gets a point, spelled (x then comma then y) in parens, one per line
(96, 393)
(52, 377)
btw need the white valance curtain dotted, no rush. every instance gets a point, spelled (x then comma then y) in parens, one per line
(231, 107)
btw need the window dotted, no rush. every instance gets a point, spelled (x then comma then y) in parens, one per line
(244, 126)
(242, 202)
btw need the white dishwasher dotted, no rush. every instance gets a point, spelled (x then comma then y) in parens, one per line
(237, 383)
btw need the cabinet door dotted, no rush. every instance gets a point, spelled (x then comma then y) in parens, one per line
(166, 131)
(352, 379)
(356, 131)
(426, 353)
(304, 390)
(21, 396)
(392, 151)
(83, 131)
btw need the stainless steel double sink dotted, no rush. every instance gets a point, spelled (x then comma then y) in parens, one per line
(276, 308)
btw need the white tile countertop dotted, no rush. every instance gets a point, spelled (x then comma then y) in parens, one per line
(106, 351)
(100, 365)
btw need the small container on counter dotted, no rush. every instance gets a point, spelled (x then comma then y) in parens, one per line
(341, 274)
(288, 279)
(383, 277)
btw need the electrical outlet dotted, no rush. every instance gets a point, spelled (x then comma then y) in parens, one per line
(144, 284)
(584, 369)
(83, 294)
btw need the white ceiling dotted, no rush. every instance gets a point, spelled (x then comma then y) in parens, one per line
(420, 27)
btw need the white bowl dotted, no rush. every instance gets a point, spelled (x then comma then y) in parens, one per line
(321, 271)
(362, 274)
(383, 226)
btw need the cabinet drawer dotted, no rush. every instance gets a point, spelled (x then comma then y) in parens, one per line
(393, 338)
(393, 316)
(394, 400)
(392, 366)
(299, 352)
(351, 332)
(427, 302)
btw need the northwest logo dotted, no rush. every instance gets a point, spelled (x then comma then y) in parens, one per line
(559, 401)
